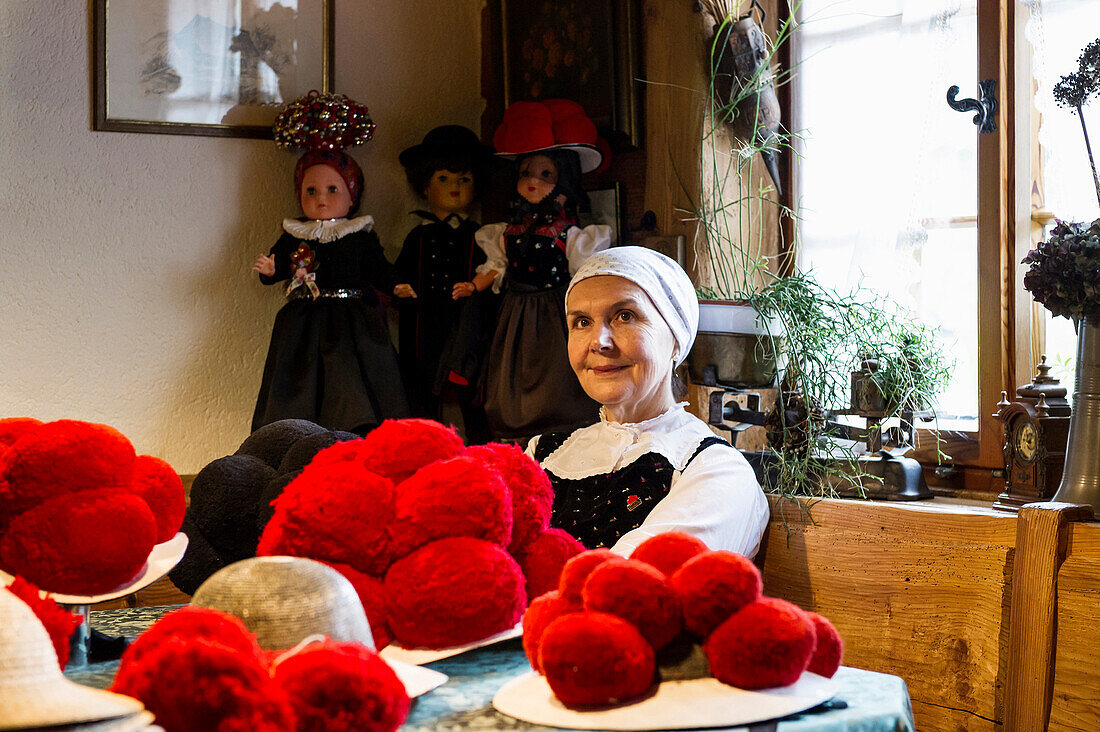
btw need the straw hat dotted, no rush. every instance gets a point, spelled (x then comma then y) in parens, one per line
(285, 599)
(34, 692)
(140, 722)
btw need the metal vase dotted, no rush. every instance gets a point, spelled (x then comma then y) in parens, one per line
(1081, 478)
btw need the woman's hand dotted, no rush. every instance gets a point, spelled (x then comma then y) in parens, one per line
(265, 266)
(404, 291)
(463, 289)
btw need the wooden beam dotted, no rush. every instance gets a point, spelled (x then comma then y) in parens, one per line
(1042, 536)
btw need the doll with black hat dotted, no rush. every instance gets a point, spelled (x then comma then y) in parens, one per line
(439, 351)
(530, 387)
(330, 360)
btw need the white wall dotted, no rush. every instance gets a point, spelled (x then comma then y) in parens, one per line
(125, 290)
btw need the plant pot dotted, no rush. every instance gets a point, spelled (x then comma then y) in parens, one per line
(736, 342)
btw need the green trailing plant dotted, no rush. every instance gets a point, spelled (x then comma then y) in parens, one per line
(819, 334)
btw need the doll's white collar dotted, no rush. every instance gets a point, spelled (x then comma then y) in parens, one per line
(608, 446)
(327, 230)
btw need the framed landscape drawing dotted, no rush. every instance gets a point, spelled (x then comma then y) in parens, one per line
(606, 209)
(584, 50)
(207, 67)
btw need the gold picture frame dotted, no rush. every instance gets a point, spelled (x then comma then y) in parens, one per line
(168, 67)
(583, 50)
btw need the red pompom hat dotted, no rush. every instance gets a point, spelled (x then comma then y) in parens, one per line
(552, 124)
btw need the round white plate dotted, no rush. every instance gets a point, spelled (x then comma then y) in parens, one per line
(163, 557)
(421, 656)
(675, 704)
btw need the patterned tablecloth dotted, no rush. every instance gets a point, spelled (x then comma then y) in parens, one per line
(867, 701)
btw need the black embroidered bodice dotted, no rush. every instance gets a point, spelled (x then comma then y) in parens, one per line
(599, 509)
(535, 248)
(436, 255)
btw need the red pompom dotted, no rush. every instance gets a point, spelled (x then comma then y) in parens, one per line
(526, 126)
(713, 586)
(576, 571)
(544, 558)
(397, 448)
(58, 622)
(668, 551)
(12, 428)
(448, 498)
(187, 623)
(532, 494)
(63, 457)
(335, 687)
(637, 593)
(830, 647)
(82, 544)
(570, 123)
(160, 486)
(605, 150)
(372, 593)
(543, 611)
(452, 592)
(338, 513)
(202, 684)
(595, 658)
(765, 644)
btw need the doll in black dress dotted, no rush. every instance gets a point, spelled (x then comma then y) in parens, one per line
(444, 331)
(530, 387)
(330, 360)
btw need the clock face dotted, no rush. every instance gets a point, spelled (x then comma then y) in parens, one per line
(1026, 441)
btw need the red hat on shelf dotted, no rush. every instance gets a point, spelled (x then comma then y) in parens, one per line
(552, 124)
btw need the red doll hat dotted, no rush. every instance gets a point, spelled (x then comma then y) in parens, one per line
(552, 124)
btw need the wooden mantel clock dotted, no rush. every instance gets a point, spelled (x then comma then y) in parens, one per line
(1036, 429)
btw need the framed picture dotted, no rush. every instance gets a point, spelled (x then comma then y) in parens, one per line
(584, 50)
(207, 67)
(606, 209)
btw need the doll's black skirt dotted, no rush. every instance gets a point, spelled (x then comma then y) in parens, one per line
(331, 362)
(530, 387)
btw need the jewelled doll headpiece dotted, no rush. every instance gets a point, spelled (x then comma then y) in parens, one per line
(324, 125)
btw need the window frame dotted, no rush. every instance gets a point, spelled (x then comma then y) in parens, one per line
(1009, 331)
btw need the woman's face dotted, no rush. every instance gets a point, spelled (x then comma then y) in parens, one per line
(324, 194)
(450, 192)
(538, 175)
(620, 348)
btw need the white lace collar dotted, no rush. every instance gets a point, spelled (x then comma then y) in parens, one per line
(608, 446)
(326, 230)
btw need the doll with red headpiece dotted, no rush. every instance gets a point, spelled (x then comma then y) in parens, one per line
(530, 387)
(330, 360)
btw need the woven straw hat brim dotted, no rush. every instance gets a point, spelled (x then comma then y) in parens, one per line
(38, 704)
(140, 722)
(590, 155)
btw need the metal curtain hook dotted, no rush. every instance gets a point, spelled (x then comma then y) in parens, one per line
(986, 107)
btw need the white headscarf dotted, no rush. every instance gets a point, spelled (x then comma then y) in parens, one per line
(661, 278)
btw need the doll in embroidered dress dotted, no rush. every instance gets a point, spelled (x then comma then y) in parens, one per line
(443, 332)
(330, 360)
(530, 387)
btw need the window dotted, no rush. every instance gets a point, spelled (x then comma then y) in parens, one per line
(900, 192)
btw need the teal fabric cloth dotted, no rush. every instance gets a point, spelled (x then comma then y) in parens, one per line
(866, 701)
